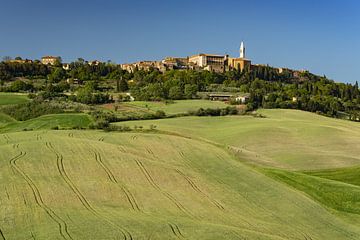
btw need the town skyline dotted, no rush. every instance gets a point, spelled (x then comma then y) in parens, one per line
(297, 35)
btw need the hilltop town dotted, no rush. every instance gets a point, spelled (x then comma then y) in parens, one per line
(235, 80)
(202, 61)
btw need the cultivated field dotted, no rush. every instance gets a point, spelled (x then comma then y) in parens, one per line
(195, 178)
(287, 139)
(66, 120)
(178, 106)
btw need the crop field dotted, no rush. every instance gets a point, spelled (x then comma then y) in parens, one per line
(178, 106)
(285, 176)
(12, 98)
(66, 120)
(287, 139)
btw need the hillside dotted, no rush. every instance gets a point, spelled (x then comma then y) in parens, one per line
(190, 179)
(288, 139)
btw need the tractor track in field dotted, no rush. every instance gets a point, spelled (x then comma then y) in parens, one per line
(2, 234)
(63, 227)
(186, 162)
(156, 186)
(7, 138)
(7, 194)
(38, 137)
(307, 237)
(61, 169)
(176, 230)
(129, 196)
(32, 235)
(237, 235)
(197, 189)
(101, 139)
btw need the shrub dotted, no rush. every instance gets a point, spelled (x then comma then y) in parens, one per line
(31, 110)
(214, 111)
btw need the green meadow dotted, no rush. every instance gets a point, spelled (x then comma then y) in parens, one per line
(287, 175)
(12, 98)
(176, 107)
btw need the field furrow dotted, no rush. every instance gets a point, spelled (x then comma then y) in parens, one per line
(157, 187)
(63, 229)
(197, 189)
(60, 166)
(2, 235)
(176, 230)
(129, 196)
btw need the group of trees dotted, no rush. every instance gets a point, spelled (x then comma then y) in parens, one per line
(9, 70)
(268, 87)
(323, 96)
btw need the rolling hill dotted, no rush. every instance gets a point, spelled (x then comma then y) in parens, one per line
(235, 177)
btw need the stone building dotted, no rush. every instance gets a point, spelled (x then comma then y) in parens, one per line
(50, 60)
(210, 62)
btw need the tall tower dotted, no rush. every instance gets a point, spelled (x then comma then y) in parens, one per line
(242, 50)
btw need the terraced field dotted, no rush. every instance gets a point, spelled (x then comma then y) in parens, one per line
(195, 178)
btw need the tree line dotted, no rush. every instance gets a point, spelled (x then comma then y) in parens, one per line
(268, 87)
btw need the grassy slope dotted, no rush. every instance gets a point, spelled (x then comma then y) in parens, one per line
(66, 120)
(179, 106)
(101, 185)
(12, 98)
(286, 139)
(292, 140)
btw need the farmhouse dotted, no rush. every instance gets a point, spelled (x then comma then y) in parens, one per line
(220, 96)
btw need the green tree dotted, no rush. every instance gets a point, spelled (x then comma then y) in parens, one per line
(190, 91)
(57, 74)
(175, 92)
(123, 85)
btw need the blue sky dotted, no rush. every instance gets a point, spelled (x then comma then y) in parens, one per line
(322, 36)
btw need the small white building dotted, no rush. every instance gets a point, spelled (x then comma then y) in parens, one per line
(242, 99)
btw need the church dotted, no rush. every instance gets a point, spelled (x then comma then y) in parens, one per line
(241, 62)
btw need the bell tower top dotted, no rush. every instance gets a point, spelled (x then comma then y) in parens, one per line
(242, 50)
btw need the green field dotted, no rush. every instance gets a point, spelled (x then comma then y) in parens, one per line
(178, 106)
(291, 175)
(66, 120)
(287, 139)
(12, 98)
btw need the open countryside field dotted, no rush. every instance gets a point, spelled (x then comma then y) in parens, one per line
(12, 98)
(287, 139)
(178, 106)
(236, 177)
(96, 185)
(66, 120)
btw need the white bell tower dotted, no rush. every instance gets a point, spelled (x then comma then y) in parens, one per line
(242, 50)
